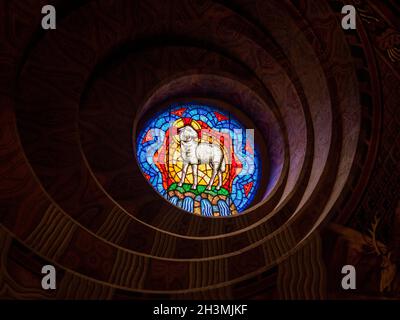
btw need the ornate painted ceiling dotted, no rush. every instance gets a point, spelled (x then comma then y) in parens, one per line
(324, 104)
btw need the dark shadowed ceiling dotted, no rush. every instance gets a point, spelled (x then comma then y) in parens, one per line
(324, 103)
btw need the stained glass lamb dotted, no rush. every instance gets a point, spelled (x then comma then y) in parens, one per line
(194, 153)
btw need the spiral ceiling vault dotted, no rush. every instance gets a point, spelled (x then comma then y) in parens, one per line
(75, 196)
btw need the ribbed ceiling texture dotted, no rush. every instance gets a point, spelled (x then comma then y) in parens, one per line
(324, 105)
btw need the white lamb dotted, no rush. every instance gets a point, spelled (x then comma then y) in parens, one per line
(194, 153)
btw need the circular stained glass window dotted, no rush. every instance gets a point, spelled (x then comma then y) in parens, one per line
(200, 158)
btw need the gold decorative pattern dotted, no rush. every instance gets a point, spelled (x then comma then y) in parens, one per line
(52, 234)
